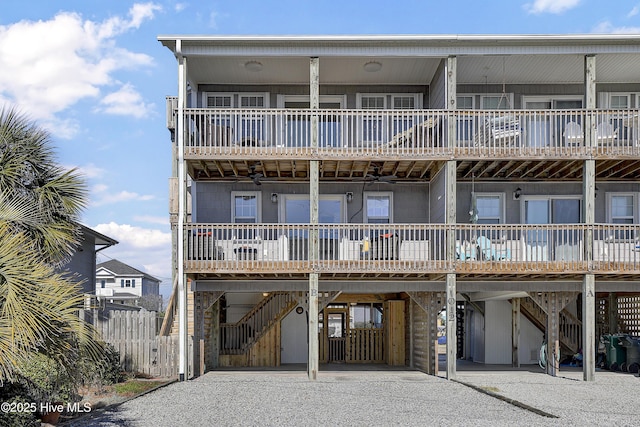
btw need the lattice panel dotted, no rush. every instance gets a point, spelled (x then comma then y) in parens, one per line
(629, 315)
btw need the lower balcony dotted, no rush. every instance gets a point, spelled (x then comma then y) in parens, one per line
(411, 250)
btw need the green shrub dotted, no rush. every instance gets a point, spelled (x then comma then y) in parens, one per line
(104, 371)
(16, 393)
(46, 380)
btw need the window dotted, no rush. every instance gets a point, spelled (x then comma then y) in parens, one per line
(219, 100)
(496, 102)
(252, 101)
(127, 283)
(378, 127)
(618, 102)
(245, 207)
(621, 208)
(490, 208)
(401, 102)
(372, 102)
(465, 102)
(465, 125)
(378, 208)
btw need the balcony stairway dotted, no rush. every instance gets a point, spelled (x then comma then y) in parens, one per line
(239, 337)
(570, 329)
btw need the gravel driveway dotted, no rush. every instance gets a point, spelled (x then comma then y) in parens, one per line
(381, 398)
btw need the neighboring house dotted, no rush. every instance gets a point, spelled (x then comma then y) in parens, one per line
(117, 282)
(515, 204)
(83, 261)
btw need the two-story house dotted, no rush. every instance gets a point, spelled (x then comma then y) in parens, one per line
(332, 194)
(119, 283)
(82, 264)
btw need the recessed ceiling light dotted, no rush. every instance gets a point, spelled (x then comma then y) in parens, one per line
(254, 66)
(372, 67)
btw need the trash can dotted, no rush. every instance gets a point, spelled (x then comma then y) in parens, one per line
(632, 347)
(616, 352)
(385, 246)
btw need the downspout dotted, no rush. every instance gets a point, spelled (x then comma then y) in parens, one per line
(183, 348)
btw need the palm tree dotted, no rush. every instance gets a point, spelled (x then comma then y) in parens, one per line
(39, 204)
(30, 174)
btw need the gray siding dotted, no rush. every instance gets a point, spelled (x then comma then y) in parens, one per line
(437, 198)
(83, 264)
(437, 92)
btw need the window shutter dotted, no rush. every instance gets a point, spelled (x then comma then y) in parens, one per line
(122, 283)
(133, 283)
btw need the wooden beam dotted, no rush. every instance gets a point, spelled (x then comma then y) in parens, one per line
(515, 332)
(589, 328)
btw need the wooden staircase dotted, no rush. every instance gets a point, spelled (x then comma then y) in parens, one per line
(239, 337)
(570, 327)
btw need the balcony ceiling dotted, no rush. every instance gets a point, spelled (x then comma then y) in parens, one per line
(409, 170)
(511, 69)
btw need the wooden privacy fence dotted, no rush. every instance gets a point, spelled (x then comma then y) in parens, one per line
(134, 334)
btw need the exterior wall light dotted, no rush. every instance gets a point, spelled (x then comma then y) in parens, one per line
(517, 193)
(254, 66)
(372, 67)
(274, 197)
(349, 197)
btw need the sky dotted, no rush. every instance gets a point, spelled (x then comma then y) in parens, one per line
(94, 75)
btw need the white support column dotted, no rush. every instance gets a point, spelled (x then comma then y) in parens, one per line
(314, 243)
(450, 218)
(183, 346)
(588, 190)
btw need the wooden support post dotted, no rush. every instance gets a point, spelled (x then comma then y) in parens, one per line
(450, 219)
(314, 242)
(515, 332)
(451, 326)
(612, 313)
(589, 327)
(314, 357)
(214, 337)
(553, 333)
(589, 184)
(436, 302)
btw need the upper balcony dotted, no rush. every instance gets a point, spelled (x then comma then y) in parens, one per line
(409, 134)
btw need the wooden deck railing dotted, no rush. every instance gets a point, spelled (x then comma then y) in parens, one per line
(422, 133)
(411, 248)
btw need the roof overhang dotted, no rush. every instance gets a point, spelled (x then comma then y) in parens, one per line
(406, 59)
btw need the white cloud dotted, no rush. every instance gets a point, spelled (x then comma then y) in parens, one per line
(179, 7)
(633, 12)
(90, 170)
(213, 20)
(122, 196)
(135, 237)
(606, 27)
(551, 6)
(101, 196)
(162, 220)
(125, 102)
(48, 66)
